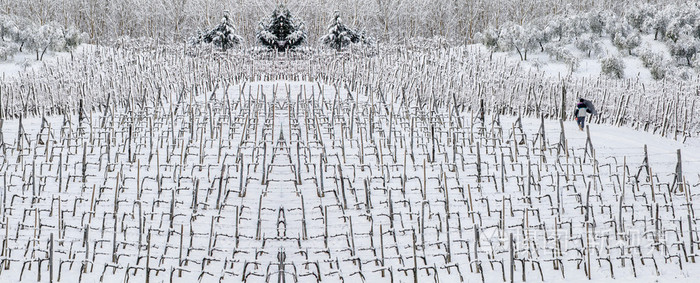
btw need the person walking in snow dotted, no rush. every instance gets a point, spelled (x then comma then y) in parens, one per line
(580, 113)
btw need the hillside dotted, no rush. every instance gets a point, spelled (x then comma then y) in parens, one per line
(646, 42)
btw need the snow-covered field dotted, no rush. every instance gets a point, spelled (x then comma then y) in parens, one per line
(274, 150)
(588, 66)
(25, 62)
(279, 179)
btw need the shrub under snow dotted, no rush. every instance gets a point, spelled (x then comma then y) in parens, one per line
(563, 54)
(654, 61)
(685, 47)
(613, 66)
(18, 34)
(7, 49)
(589, 44)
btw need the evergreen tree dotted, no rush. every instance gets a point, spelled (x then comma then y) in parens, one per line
(224, 35)
(281, 31)
(339, 35)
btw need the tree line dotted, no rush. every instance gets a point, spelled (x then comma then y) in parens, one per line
(677, 26)
(387, 20)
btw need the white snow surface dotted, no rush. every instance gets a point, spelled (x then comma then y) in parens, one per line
(26, 62)
(589, 66)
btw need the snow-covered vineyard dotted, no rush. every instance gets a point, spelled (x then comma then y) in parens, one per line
(349, 141)
(429, 70)
(174, 177)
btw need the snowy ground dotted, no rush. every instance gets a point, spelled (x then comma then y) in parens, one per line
(278, 178)
(26, 62)
(589, 66)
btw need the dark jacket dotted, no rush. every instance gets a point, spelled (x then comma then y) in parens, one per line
(579, 106)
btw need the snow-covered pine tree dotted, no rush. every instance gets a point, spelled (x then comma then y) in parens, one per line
(281, 31)
(224, 35)
(339, 35)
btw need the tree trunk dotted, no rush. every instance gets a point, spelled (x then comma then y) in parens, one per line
(43, 52)
(519, 53)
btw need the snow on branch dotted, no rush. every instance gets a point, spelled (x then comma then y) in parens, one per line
(281, 31)
(340, 36)
(223, 36)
